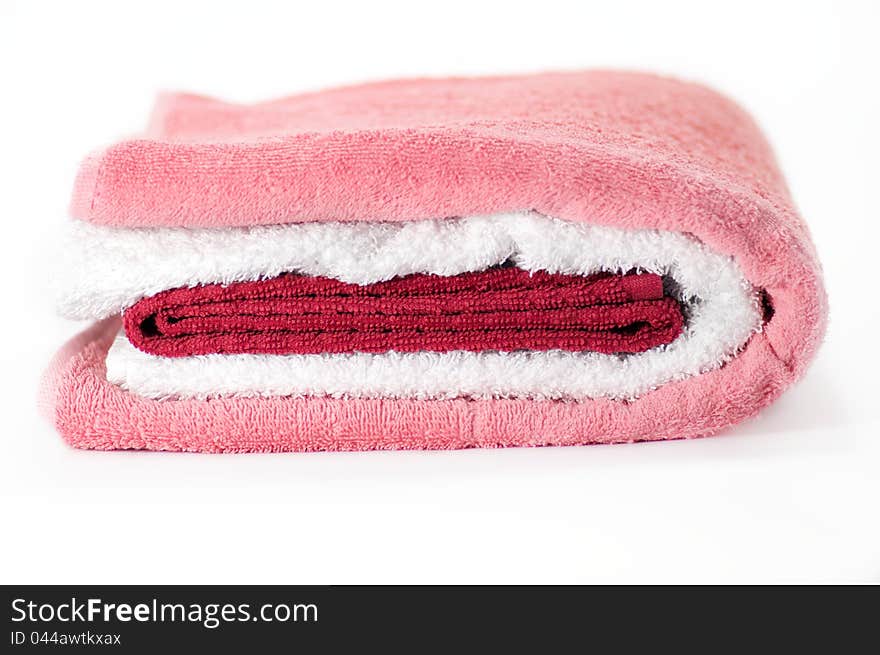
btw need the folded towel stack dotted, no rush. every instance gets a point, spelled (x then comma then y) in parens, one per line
(552, 259)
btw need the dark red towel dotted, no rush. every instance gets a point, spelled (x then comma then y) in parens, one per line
(502, 308)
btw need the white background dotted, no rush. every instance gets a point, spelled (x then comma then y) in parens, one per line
(791, 496)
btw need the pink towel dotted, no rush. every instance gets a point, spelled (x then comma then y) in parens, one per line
(631, 151)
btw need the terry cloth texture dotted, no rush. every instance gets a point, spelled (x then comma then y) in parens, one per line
(91, 412)
(108, 269)
(105, 270)
(636, 152)
(497, 309)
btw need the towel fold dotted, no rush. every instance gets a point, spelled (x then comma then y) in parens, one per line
(563, 258)
(108, 270)
(496, 309)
